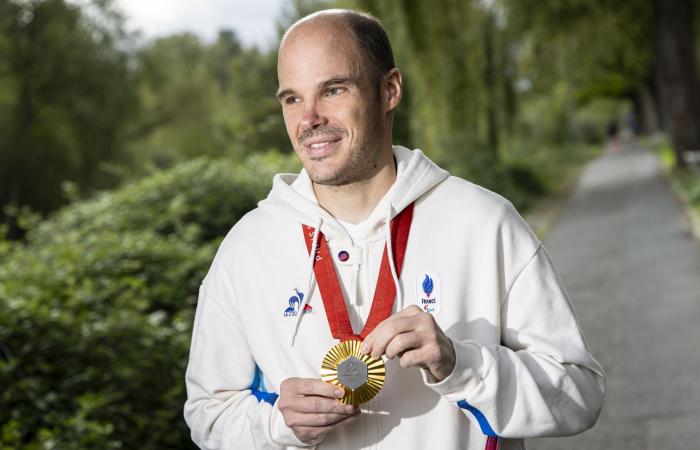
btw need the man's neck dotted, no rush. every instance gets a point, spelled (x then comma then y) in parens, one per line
(354, 202)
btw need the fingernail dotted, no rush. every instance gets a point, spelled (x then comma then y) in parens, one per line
(364, 348)
(339, 393)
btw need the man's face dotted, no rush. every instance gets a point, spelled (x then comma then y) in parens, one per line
(331, 109)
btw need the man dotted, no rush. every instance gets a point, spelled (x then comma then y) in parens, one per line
(481, 344)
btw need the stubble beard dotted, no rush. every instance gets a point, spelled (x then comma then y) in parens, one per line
(363, 164)
(363, 160)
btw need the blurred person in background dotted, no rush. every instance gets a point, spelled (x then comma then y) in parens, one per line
(374, 243)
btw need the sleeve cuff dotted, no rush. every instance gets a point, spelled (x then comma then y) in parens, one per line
(283, 436)
(465, 376)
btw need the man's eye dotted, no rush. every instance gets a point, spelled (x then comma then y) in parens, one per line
(335, 91)
(291, 100)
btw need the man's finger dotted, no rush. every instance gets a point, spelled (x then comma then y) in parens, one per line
(322, 405)
(369, 341)
(386, 331)
(411, 310)
(402, 342)
(309, 386)
(412, 358)
(317, 420)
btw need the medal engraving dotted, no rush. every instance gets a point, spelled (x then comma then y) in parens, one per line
(358, 374)
(352, 373)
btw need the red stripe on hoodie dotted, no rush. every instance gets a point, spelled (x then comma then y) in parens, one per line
(491, 443)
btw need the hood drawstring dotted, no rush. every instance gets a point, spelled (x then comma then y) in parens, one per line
(390, 251)
(312, 259)
(307, 297)
(354, 296)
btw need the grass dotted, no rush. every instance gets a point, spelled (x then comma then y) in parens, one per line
(685, 181)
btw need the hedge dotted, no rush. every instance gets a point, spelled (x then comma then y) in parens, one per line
(96, 307)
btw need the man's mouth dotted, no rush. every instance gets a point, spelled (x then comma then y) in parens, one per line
(321, 141)
(321, 146)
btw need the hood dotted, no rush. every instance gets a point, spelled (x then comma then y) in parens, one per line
(292, 195)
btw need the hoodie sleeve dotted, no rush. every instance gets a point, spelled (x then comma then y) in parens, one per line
(541, 380)
(224, 408)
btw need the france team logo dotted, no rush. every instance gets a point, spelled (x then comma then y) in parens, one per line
(295, 303)
(428, 292)
(428, 285)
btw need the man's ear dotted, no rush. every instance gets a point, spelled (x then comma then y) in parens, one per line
(392, 89)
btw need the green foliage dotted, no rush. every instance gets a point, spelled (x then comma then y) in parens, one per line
(666, 153)
(65, 98)
(480, 80)
(686, 181)
(600, 46)
(83, 102)
(198, 99)
(177, 101)
(96, 307)
(447, 93)
(693, 189)
(170, 201)
(493, 98)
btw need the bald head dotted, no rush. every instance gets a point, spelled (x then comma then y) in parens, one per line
(366, 32)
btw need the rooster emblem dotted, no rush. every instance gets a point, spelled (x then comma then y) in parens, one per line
(294, 303)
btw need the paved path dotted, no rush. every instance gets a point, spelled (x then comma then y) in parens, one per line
(633, 272)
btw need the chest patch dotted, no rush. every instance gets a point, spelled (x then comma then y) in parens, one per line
(294, 305)
(428, 292)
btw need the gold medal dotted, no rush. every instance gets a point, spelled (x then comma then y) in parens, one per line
(360, 375)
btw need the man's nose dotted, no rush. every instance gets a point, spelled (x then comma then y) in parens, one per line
(312, 117)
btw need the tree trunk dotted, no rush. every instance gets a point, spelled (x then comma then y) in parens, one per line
(675, 75)
(645, 111)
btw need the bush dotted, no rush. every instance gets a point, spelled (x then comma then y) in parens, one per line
(96, 308)
(684, 180)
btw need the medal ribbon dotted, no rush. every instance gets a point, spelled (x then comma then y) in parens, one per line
(384, 293)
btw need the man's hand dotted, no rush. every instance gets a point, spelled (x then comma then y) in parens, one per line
(413, 335)
(311, 409)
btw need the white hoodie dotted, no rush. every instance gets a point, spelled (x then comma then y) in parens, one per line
(522, 366)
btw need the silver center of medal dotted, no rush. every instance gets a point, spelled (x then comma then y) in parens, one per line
(352, 373)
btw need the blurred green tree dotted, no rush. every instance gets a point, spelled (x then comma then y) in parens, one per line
(66, 96)
(460, 70)
(213, 99)
(637, 50)
(676, 75)
(177, 97)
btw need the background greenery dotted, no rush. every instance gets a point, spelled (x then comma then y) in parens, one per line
(123, 163)
(97, 303)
